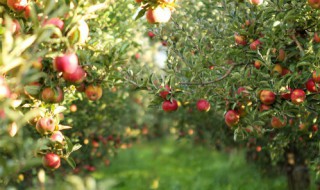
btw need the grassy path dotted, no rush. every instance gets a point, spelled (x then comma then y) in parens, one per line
(180, 166)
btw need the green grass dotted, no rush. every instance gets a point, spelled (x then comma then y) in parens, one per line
(177, 165)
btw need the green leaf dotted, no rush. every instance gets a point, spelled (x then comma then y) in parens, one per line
(71, 162)
(140, 14)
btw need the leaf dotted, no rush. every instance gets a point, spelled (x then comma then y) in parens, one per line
(59, 109)
(140, 14)
(76, 147)
(63, 127)
(71, 162)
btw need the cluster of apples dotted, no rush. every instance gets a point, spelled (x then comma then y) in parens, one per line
(157, 13)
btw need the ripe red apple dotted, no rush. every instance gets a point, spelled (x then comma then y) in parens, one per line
(76, 77)
(255, 45)
(67, 63)
(311, 86)
(17, 5)
(264, 107)
(314, 4)
(93, 92)
(316, 38)
(267, 97)
(158, 15)
(315, 77)
(285, 71)
(164, 43)
(169, 106)
(45, 125)
(240, 40)
(298, 96)
(165, 92)
(55, 22)
(52, 95)
(257, 64)
(2, 114)
(81, 87)
(57, 136)
(277, 123)
(203, 105)
(287, 94)
(151, 34)
(4, 91)
(277, 68)
(51, 161)
(256, 2)
(232, 118)
(315, 128)
(27, 12)
(73, 108)
(80, 34)
(242, 91)
(15, 28)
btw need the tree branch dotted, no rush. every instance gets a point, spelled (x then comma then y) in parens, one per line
(210, 82)
(298, 43)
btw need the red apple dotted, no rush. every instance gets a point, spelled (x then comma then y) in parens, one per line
(138, 1)
(81, 87)
(45, 125)
(151, 34)
(203, 105)
(277, 123)
(277, 68)
(4, 91)
(316, 77)
(311, 86)
(158, 15)
(169, 106)
(256, 2)
(257, 64)
(255, 45)
(232, 118)
(316, 38)
(267, 97)
(240, 40)
(93, 92)
(51, 161)
(67, 63)
(286, 95)
(281, 55)
(242, 91)
(73, 108)
(314, 4)
(298, 96)
(57, 136)
(2, 114)
(285, 71)
(52, 95)
(55, 22)
(17, 5)
(264, 107)
(165, 92)
(27, 12)
(76, 77)
(315, 128)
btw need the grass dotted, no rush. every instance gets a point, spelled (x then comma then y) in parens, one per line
(173, 165)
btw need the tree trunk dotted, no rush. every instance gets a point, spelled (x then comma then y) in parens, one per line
(297, 172)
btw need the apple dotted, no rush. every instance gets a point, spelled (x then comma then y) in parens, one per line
(298, 96)
(80, 34)
(287, 94)
(138, 1)
(314, 4)
(81, 87)
(151, 34)
(158, 15)
(76, 77)
(314, 128)
(316, 38)
(45, 125)
(27, 12)
(52, 95)
(164, 43)
(55, 22)
(93, 92)
(264, 107)
(315, 77)
(257, 64)
(240, 40)
(285, 71)
(277, 68)
(4, 91)
(73, 108)
(258, 148)
(51, 161)
(277, 123)
(67, 63)
(281, 55)
(57, 136)
(17, 5)
(232, 118)
(255, 45)
(256, 2)
(241, 109)
(242, 91)
(267, 97)
(169, 106)
(165, 92)
(311, 86)
(203, 105)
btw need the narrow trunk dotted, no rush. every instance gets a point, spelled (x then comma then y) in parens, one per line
(297, 172)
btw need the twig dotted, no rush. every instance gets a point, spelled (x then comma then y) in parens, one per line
(298, 43)
(210, 82)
